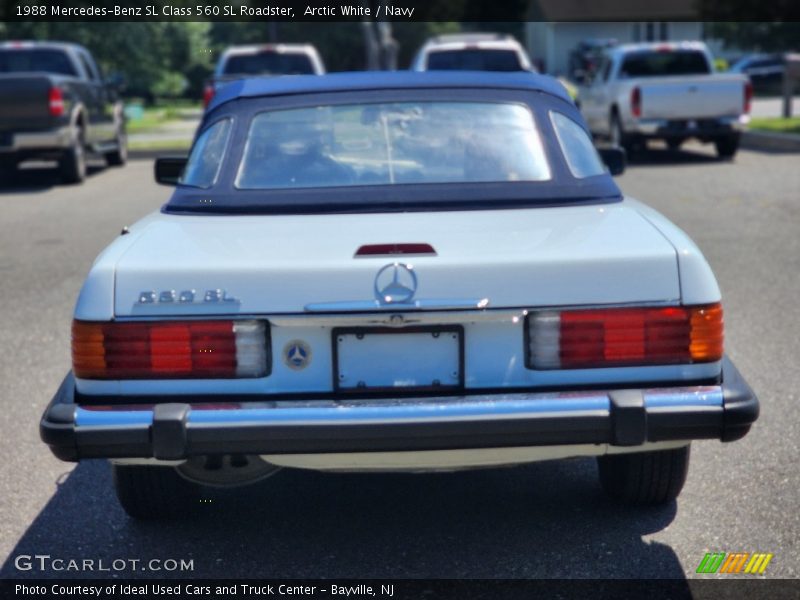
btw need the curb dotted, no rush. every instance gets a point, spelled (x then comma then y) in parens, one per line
(770, 142)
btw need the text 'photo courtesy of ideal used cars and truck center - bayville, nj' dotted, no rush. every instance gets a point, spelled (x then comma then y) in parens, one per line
(380, 297)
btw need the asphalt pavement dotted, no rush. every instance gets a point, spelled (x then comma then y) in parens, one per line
(544, 520)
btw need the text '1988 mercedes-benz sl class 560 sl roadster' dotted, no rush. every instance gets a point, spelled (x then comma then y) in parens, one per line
(395, 271)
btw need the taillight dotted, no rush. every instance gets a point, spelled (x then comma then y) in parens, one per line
(748, 97)
(56, 102)
(208, 95)
(170, 350)
(636, 102)
(586, 339)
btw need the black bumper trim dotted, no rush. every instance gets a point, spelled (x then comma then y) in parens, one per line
(627, 422)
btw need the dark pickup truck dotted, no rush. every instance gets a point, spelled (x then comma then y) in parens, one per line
(56, 105)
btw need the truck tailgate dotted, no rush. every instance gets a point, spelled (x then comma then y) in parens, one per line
(700, 97)
(24, 102)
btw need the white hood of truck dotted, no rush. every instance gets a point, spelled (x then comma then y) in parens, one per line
(281, 264)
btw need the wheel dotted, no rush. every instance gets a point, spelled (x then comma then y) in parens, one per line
(644, 478)
(618, 136)
(73, 163)
(727, 146)
(674, 143)
(149, 493)
(8, 168)
(119, 156)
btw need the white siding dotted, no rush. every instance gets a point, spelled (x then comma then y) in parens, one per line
(552, 42)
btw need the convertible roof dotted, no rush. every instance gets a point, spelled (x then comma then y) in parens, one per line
(383, 80)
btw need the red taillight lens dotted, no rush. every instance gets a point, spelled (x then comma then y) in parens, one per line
(170, 350)
(583, 339)
(636, 102)
(748, 97)
(208, 95)
(56, 102)
(389, 249)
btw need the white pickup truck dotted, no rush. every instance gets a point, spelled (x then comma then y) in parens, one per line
(665, 91)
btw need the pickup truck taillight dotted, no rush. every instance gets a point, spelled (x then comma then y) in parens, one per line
(208, 95)
(617, 337)
(170, 349)
(56, 102)
(636, 102)
(748, 97)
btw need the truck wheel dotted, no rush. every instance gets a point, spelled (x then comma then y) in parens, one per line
(727, 146)
(119, 156)
(618, 135)
(149, 493)
(8, 169)
(73, 163)
(644, 478)
(674, 143)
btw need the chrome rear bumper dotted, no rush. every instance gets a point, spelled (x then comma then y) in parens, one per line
(175, 427)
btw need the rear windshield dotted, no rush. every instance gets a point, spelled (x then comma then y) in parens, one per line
(38, 61)
(268, 63)
(474, 60)
(661, 63)
(392, 143)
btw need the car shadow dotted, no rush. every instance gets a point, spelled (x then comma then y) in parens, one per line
(545, 520)
(38, 177)
(659, 156)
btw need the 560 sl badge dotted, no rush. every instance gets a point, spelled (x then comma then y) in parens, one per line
(185, 297)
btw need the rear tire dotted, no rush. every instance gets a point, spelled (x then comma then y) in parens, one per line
(618, 137)
(73, 163)
(644, 478)
(674, 144)
(8, 168)
(727, 146)
(118, 157)
(149, 493)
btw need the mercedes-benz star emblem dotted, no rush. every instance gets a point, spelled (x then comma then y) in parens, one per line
(395, 283)
(296, 355)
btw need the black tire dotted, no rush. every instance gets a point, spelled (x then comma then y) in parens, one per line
(674, 143)
(617, 135)
(118, 157)
(149, 493)
(727, 146)
(8, 169)
(644, 478)
(73, 163)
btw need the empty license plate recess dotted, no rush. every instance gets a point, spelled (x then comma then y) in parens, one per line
(372, 359)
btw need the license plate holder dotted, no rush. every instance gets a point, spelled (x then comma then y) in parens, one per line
(381, 359)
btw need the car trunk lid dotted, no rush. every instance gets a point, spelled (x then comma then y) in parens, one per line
(578, 255)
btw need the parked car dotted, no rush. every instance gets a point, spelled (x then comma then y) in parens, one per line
(583, 60)
(472, 52)
(764, 70)
(395, 271)
(265, 60)
(666, 91)
(55, 104)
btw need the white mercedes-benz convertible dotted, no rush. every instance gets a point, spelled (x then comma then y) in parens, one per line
(395, 271)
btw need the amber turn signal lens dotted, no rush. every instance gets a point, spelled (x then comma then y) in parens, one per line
(707, 333)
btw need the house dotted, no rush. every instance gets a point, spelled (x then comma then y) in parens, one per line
(555, 27)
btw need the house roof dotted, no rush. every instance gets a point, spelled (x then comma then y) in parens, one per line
(614, 10)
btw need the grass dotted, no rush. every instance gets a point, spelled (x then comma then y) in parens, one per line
(167, 145)
(776, 125)
(157, 115)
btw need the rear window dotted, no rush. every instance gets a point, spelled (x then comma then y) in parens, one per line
(664, 63)
(268, 63)
(474, 60)
(35, 61)
(392, 143)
